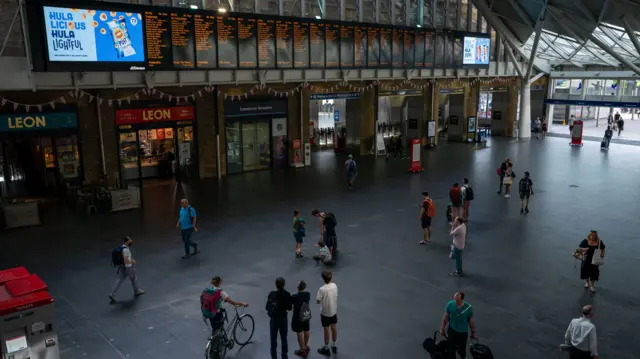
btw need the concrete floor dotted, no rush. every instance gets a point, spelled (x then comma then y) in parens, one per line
(522, 281)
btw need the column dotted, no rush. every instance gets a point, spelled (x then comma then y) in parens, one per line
(472, 94)
(368, 121)
(434, 100)
(524, 130)
(206, 133)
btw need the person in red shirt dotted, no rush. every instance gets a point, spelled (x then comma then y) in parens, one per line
(455, 196)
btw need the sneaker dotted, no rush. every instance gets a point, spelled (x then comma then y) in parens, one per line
(526, 210)
(299, 255)
(300, 353)
(139, 292)
(112, 298)
(454, 273)
(423, 242)
(334, 349)
(186, 256)
(507, 196)
(324, 351)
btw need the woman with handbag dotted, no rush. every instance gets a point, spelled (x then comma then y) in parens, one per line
(592, 249)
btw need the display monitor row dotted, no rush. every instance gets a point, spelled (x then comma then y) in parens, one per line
(90, 36)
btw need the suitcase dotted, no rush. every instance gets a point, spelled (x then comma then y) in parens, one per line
(437, 349)
(480, 351)
(604, 145)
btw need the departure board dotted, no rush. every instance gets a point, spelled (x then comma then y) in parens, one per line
(418, 58)
(439, 52)
(360, 46)
(398, 48)
(227, 34)
(409, 48)
(247, 42)
(300, 44)
(158, 40)
(205, 34)
(284, 44)
(385, 47)
(429, 47)
(316, 44)
(373, 46)
(346, 46)
(182, 40)
(332, 45)
(266, 44)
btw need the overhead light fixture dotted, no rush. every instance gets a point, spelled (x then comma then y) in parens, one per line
(194, 7)
(318, 17)
(419, 25)
(221, 9)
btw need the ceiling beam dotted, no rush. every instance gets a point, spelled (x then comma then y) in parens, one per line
(536, 39)
(512, 57)
(631, 33)
(580, 4)
(610, 34)
(522, 13)
(560, 53)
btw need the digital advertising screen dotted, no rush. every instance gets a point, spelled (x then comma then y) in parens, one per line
(94, 36)
(475, 51)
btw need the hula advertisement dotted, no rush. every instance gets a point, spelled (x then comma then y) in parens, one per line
(93, 35)
(476, 51)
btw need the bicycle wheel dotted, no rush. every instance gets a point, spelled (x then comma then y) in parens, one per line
(246, 325)
(216, 348)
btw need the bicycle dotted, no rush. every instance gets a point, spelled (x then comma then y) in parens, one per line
(219, 341)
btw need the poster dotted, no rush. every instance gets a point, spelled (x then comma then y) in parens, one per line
(160, 133)
(153, 135)
(142, 135)
(168, 133)
(278, 127)
(93, 35)
(476, 50)
(431, 129)
(471, 124)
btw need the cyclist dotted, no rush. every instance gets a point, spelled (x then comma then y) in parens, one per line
(218, 296)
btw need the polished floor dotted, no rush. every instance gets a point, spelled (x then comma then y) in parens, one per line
(522, 280)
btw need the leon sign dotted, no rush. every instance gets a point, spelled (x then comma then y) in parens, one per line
(37, 121)
(148, 115)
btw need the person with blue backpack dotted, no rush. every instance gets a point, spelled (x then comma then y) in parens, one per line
(352, 170)
(187, 224)
(126, 268)
(211, 301)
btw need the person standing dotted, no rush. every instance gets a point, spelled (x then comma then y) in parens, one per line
(590, 272)
(537, 127)
(328, 299)
(352, 170)
(509, 175)
(620, 123)
(278, 304)
(455, 197)
(298, 232)
(126, 269)
(581, 336)
(457, 319)
(300, 319)
(525, 188)
(501, 172)
(459, 234)
(427, 211)
(545, 127)
(572, 119)
(467, 197)
(187, 224)
(606, 141)
(328, 225)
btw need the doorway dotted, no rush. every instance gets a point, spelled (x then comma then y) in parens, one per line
(248, 145)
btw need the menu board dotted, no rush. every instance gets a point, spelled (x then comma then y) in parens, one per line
(227, 34)
(346, 46)
(373, 46)
(182, 40)
(398, 48)
(205, 33)
(429, 48)
(158, 40)
(300, 44)
(247, 42)
(284, 44)
(409, 48)
(266, 43)
(385, 47)
(332, 45)
(316, 44)
(360, 46)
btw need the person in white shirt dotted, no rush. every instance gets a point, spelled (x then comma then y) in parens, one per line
(328, 300)
(459, 234)
(126, 270)
(581, 338)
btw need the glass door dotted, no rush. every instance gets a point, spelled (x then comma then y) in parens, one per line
(234, 147)
(256, 146)
(186, 153)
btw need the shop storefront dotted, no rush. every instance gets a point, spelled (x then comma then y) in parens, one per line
(39, 153)
(256, 135)
(157, 142)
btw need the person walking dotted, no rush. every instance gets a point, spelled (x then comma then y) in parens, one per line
(501, 172)
(525, 187)
(591, 247)
(352, 170)
(459, 234)
(126, 268)
(509, 175)
(187, 224)
(298, 232)
(581, 337)
(537, 127)
(620, 123)
(467, 197)
(455, 197)
(457, 319)
(278, 304)
(300, 319)
(427, 211)
(328, 299)
(545, 126)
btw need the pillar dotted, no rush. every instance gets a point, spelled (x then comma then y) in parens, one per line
(435, 108)
(206, 135)
(368, 121)
(524, 126)
(471, 93)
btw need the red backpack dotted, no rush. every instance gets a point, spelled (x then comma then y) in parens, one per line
(455, 195)
(210, 302)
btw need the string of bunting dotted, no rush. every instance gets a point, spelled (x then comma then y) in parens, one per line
(153, 92)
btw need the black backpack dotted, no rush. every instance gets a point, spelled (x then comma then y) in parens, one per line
(117, 259)
(305, 312)
(272, 304)
(330, 220)
(525, 186)
(480, 351)
(437, 349)
(468, 193)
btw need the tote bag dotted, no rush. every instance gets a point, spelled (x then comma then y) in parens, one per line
(597, 260)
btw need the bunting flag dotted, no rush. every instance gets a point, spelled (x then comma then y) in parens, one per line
(39, 108)
(27, 107)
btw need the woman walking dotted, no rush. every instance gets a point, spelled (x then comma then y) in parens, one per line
(590, 270)
(459, 234)
(508, 180)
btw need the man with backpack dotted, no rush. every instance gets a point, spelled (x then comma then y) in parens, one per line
(211, 301)
(467, 197)
(328, 225)
(352, 170)
(121, 259)
(457, 319)
(427, 212)
(526, 189)
(187, 224)
(455, 197)
(278, 304)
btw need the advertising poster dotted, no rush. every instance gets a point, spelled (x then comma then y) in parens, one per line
(476, 51)
(93, 35)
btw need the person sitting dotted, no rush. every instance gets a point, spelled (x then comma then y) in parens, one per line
(324, 255)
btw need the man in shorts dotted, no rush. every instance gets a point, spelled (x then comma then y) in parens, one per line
(328, 299)
(526, 190)
(425, 219)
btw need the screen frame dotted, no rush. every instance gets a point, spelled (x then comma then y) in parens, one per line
(461, 35)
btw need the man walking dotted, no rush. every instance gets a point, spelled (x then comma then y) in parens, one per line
(501, 173)
(526, 190)
(187, 224)
(581, 336)
(125, 263)
(352, 171)
(278, 304)
(328, 299)
(458, 317)
(467, 197)
(427, 210)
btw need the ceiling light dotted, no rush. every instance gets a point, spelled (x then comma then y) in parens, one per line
(194, 7)
(318, 17)
(221, 9)
(419, 25)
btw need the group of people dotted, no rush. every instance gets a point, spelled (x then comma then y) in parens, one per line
(525, 186)
(539, 126)
(328, 241)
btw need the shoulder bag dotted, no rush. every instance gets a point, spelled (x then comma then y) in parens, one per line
(597, 259)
